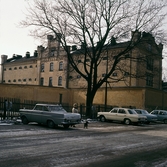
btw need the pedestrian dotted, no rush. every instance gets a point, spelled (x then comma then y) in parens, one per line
(75, 108)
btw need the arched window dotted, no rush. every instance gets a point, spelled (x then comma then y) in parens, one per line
(60, 66)
(60, 81)
(51, 66)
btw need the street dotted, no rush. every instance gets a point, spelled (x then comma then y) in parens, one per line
(102, 144)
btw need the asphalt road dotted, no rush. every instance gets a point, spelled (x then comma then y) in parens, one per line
(101, 145)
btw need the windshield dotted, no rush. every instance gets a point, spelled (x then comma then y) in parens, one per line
(131, 111)
(56, 108)
(144, 112)
(141, 111)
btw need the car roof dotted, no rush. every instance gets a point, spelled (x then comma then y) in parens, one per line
(160, 110)
(48, 104)
(123, 108)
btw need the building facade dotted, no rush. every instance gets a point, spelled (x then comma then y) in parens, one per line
(49, 67)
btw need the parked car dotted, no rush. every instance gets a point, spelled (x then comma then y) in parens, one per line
(124, 115)
(161, 115)
(150, 117)
(49, 114)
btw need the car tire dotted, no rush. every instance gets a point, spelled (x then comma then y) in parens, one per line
(51, 124)
(165, 121)
(127, 121)
(102, 118)
(24, 120)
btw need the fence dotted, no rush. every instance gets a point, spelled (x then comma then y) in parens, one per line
(12, 106)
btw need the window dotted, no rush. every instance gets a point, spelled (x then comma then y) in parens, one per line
(15, 68)
(42, 81)
(149, 47)
(149, 64)
(10, 68)
(9, 80)
(25, 67)
(114, 74)
(24, 80)
(19, 80)
(51, 66)
(52, 53)
(121, 111)
(105, 58)
(30, 66)
(42, 67)
(126, 74)
(50, 81)
(114, 111)
(149, 80)
(60, 81)
(30, 79)
(60, 66)
(20, 67)
(70, 77)
(103, 75)
(14, 80)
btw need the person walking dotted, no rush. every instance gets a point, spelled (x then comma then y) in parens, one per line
(75, 108)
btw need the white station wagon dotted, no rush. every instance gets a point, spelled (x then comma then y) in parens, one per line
(49, 114)
(124, 115)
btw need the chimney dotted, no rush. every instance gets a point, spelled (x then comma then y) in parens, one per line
(27, 54)
(58, 37)
(35, 53)
(136, 35)
(74, 47)
(3, 58)
(113, 41)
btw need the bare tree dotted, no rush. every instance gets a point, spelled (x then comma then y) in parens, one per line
(96, 24)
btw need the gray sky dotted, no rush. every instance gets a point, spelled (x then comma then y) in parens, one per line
(15, 40)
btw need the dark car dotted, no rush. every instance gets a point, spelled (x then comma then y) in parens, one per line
(161, 115)
(150, 117)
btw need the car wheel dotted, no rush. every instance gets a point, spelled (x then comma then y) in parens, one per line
(165, 121)
(102, 119)
(127, 121)
(24, 120)
(66, 126)
(50, 124)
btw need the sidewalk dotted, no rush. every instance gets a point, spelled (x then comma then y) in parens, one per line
(10, 122)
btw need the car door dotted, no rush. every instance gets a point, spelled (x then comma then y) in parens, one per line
(121, 115)
(45, 114)
(112, 114)
(162, 115)
(36, 114)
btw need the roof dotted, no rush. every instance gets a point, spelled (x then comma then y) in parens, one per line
(20, 59)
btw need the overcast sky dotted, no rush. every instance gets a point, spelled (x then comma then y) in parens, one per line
(16, 40)
(13, 39)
